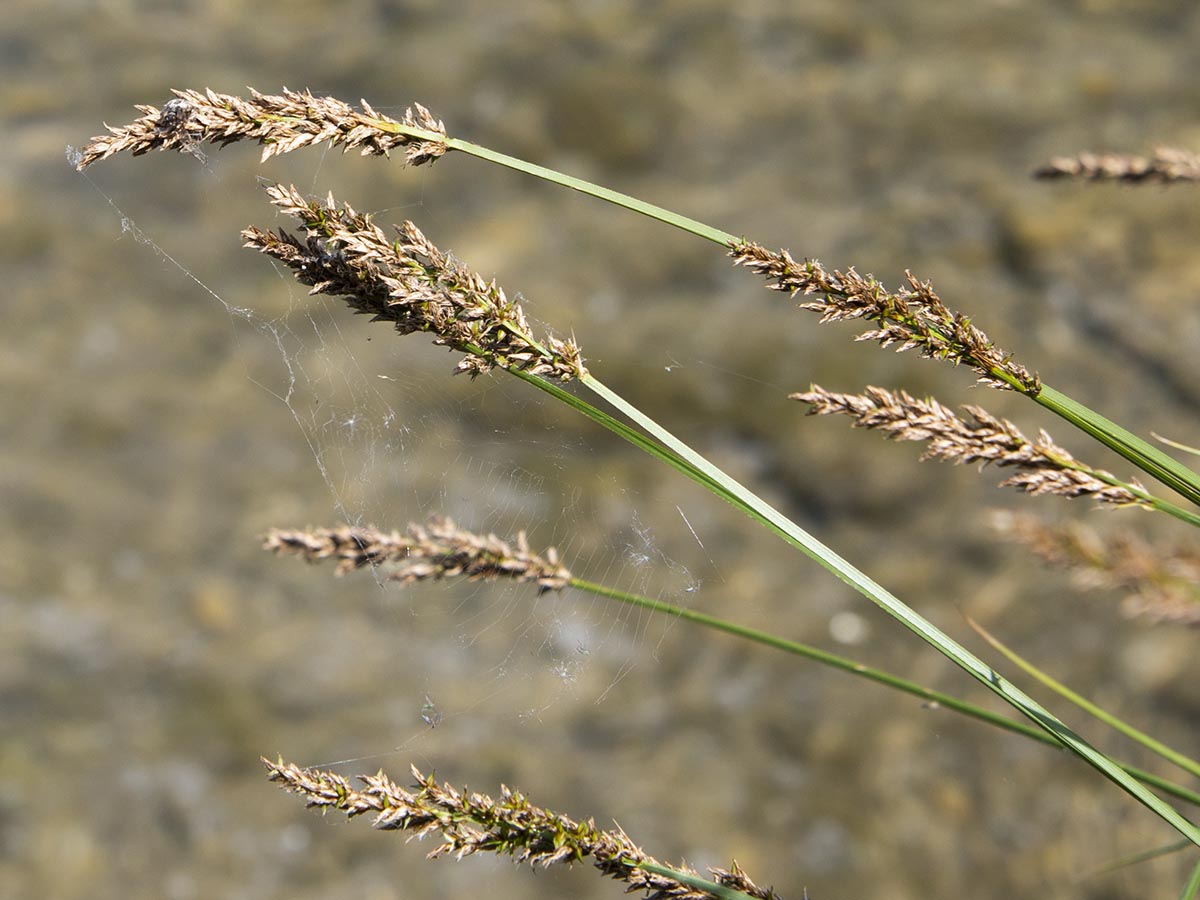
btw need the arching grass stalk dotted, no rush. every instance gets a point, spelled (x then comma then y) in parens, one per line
(1134, 859)
(1154, 745)
(1141, 453)
(468, 823)
(295, 119)
(415, 287)
(841, 663)
(425, 292)
(700, 470)
(1145, 456)
(440, 549)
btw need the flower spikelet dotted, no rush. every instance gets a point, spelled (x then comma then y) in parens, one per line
(438, 549)
(280, 123)
(412, 284)
(1167, 165)
(470, 823)
(913, 317)
(1161, 584)
(1042, 467)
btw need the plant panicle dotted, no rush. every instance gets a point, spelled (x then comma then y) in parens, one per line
(913, 317)
(433, 551)
(412, 284)
(1042, 466)
(1161, 584)
(470, 823)
(280, 122)
(1167, 165)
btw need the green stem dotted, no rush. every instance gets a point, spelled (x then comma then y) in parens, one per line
(721, 484)
(695, 882)
(1145, 456)
(1195, 451)
(625, 201)
(843, 664)
(1155, 503)
(1192, 887)
(1186, 763)
(708, 475)
(1134, 859)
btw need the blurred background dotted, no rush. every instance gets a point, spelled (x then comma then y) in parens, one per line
(168, 396)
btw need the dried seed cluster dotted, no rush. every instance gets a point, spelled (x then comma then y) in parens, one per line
(1165, 166)
(281, 123)
(412, 284)
(438, 549)
(912, 317)
(1042, 467)
(1163, 585)
(473, 823)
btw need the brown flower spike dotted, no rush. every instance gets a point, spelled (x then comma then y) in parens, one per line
(281, 123)
(1161, 584)
(412, 284)
(436, 550)
(1167, 165)
(912, 317)
(471, 823)
(1042, 467)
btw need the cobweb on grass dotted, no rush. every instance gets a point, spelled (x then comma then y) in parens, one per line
(390, 438)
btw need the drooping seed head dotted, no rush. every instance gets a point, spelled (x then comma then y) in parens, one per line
(412, 284)
(912, 317)
(280, 123)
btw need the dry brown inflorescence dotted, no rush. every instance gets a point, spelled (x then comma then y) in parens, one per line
(913, 317)
(280, 122)
(1161, 584)
(1042, 466)
(412, 284)
(439, 549)
(469, 823)
(1167, 165)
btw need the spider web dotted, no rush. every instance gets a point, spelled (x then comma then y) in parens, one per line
(390, 437)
